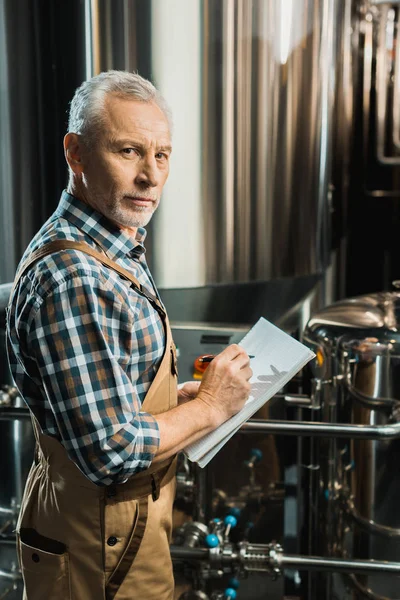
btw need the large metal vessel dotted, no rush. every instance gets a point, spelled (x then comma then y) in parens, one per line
(265, 92)
(261, 92)
(251, 84)
(356, 493)
(16, 451)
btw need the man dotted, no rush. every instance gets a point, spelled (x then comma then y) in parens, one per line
(91, 352)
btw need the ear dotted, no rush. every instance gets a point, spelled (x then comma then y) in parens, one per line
(73, 151)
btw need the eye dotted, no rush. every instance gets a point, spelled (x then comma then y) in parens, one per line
(162, 156)
(129, 151)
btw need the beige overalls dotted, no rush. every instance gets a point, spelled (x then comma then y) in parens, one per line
(80, 541)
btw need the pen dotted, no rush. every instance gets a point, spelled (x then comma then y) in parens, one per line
(210, 357)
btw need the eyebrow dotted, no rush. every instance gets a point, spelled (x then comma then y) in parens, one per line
(167, 148)
(136, 144)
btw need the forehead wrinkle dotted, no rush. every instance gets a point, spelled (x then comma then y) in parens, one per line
(138, 134)
(130, 121)
(135, 124)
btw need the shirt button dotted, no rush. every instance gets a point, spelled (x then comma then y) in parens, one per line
(35, 557)
(112, 540)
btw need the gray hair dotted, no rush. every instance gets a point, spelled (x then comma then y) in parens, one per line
(86, 113)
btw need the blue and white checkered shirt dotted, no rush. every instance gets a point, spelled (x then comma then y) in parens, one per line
(84, 347)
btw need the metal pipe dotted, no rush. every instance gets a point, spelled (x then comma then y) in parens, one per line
(8, 540)
(284, 561)
(367, 80)
(364, 591)
(318, 429)
(11, 413)
(10, 575)
(7, 511)
(185, 553)
(338, 565)
(228, 145)
(368, 524)
(306, 428)
(297, 400)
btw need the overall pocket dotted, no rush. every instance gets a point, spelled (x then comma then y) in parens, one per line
(120, 518)
(44, 565)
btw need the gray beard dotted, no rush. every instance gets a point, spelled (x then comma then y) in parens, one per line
(140, 217)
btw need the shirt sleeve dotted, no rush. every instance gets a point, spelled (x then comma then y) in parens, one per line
(82, 337)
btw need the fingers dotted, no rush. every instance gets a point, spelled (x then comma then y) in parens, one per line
(191, 388)
(225, 385)
(247, 372)
(234, 352)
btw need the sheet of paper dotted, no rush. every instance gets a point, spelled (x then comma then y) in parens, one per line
(277, 358)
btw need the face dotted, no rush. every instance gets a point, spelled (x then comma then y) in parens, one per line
(123, 173)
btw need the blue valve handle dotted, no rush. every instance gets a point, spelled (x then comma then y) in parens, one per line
(255, 457)
(248, 527)
(212, 540)
(234, 583)
(256, 454)
(230, 594)
(230, 522)
(235, 511)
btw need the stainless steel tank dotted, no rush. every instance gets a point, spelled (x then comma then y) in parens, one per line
(253, 98)
(251, 85)
(356, 487)
(16, 456)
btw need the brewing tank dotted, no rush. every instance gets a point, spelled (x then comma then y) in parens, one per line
(251, 86)
(16, 451)
(253, 99)
(357, 343)
(16, 436)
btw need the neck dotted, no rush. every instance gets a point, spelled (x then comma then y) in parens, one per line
(76, 190)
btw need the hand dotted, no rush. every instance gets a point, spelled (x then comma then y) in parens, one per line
(225, 385)
(187, 391)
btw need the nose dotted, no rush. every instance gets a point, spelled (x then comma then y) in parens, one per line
(147, 174)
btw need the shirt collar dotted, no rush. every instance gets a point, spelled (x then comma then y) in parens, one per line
(98, 227)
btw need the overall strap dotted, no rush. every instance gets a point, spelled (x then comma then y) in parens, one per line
(60, 245)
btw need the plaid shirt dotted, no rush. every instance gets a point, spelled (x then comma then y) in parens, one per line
(84, 347)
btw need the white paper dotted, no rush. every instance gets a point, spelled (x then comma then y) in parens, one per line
(277, 358)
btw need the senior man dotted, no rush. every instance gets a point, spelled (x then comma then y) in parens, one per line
(91, 352)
